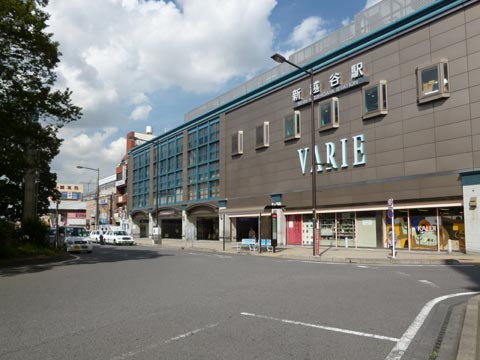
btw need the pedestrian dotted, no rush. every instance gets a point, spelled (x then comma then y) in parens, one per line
(251, 234)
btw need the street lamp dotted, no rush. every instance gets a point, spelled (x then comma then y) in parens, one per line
(281, 59)
(98, 192)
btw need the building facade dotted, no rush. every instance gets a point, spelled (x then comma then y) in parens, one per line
(396, 142)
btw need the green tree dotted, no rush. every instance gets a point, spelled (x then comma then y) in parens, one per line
(31, 108)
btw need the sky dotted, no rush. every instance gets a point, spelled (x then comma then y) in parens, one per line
(137, 63)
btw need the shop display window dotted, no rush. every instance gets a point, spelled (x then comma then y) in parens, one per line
(346, 229)
(328, 114)
(400, 223)
(328, 230)
(432, 82)
(292, 125)
(452, 227)
(375, 100)
(424, 232)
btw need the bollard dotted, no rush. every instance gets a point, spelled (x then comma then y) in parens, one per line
(449, 246)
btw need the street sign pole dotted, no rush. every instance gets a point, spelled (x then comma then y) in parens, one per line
(392, 217)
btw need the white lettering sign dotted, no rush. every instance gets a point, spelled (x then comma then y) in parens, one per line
(358, 149)
(297, 94)
(359, 157)
(334, 80)
(357, 70)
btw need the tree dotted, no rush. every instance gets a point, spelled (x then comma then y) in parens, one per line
(31, 108)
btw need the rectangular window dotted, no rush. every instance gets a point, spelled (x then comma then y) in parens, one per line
(292, 125)
(329, 114)
(237, 143)
(262, 135)
(432, 82)
(375, 100)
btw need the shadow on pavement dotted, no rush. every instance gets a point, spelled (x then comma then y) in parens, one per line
(100, 254)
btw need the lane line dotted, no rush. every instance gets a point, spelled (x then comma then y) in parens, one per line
(402, 345)
(156, 345)
(429, 283)
(328, 328)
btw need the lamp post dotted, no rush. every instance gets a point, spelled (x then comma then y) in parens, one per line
(281, 59)
(98, 192)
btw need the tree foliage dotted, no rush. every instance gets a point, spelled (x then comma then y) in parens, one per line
(31, 108)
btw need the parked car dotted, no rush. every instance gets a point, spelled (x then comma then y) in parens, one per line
(75, 238)
(118, 237)
(96, 236)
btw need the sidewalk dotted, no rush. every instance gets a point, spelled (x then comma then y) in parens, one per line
(337, 255)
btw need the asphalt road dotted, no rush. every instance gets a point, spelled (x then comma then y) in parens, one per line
(145, 303)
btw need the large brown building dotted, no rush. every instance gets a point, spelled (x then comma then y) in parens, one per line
(397, 141)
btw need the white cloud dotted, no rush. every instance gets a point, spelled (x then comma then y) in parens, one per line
(93, 151)
(113, 50)
(310, 30)
(119, 55)
(140, 112)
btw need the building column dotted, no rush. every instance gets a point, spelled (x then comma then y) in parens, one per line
(471, 212)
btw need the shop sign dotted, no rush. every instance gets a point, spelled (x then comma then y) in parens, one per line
(76, 215)
(331, 155)
(357, 78)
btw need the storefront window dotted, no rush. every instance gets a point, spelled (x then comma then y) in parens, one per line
(452, 227)
(307, 230)
(424, 229)
(369, 229)
(327, 230)
(400, 222)
(346, 229)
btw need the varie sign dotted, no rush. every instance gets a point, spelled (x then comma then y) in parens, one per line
(336, 155)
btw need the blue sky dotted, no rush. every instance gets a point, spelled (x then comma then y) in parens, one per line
(132, 64)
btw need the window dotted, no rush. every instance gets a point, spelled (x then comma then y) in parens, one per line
(432, 82)
(375, 100)
(292, 126)
(261, 135)
(328, 114)
(237, 143)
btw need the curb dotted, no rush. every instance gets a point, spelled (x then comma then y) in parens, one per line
(346, 260)
(468, 346)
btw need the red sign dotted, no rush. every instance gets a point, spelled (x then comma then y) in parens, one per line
(76, 215)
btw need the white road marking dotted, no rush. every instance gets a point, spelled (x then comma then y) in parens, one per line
(402, 345)
(212, 255)
(363, 266)
(328, 328)
(144, 349)
(402, 273)
(429, 283)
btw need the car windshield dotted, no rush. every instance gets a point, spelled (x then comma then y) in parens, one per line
(77, 232)
(121, 233)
